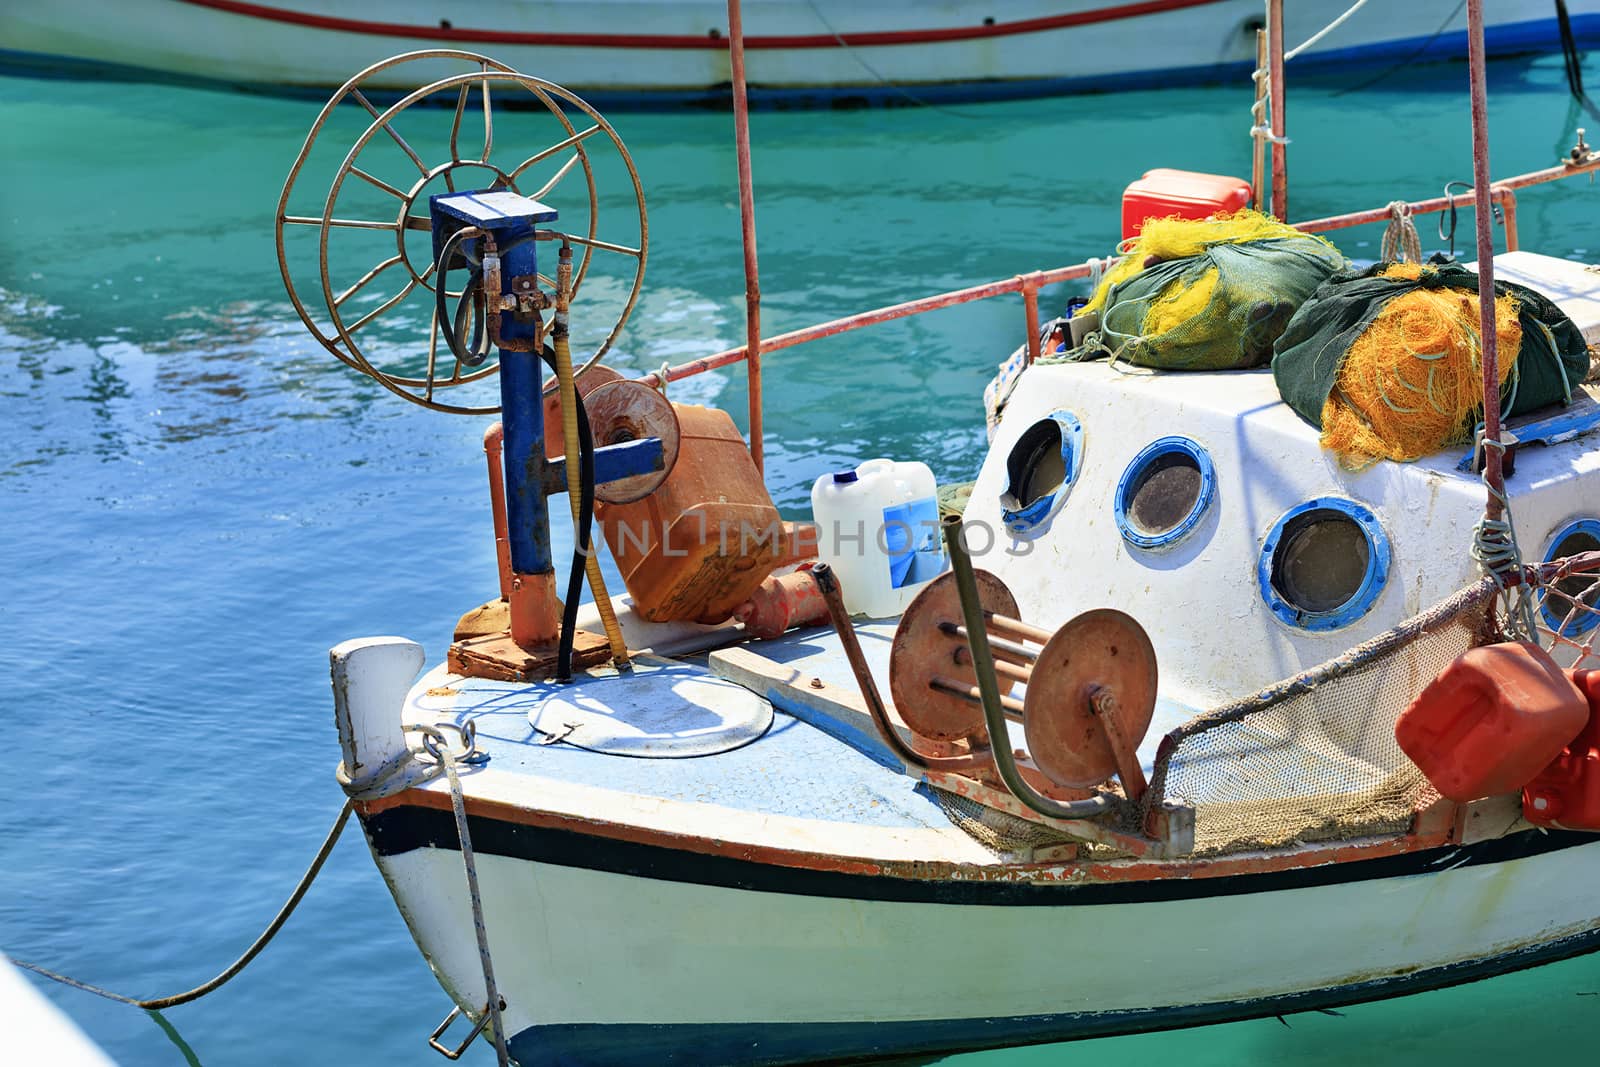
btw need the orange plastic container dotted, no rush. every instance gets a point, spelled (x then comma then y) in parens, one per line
(1567, 793)
(700, 545)
(1184, 193)
(1491, 721)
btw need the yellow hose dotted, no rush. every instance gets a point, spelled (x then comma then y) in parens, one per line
(569, 431)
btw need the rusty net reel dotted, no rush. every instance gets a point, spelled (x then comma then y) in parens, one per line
(375, 275)
(1087, 691)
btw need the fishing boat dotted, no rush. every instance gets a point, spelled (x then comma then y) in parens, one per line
(1169, 718)
(802, 52)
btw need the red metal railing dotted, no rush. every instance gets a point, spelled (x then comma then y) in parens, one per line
(1503, 193)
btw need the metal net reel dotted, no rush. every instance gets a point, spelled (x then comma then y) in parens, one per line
(1087, 691)
(376, 211)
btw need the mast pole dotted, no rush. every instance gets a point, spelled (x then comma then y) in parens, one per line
(747, 220)
(1493, 472)
(1280, 121)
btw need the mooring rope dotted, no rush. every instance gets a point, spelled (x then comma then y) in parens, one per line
(1494, 546)
(157, 1003)
(436, 746)
(1401, 243)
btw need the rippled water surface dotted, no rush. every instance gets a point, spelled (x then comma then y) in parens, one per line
(196, 501)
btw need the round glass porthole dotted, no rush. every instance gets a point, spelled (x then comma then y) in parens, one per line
(1164, 491)
(1324, 564)
(1563, 605)
(1040, 472)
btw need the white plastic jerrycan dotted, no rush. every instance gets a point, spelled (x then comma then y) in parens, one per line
(878, 528)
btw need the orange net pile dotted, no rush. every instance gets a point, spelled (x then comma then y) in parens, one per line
(1412, 382)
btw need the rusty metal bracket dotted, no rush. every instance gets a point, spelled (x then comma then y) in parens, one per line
(460, 1050)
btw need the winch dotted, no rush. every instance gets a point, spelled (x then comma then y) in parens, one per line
(485, 231)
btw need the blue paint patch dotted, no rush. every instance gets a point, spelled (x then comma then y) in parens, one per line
(627, 1044)
(1555, 430)
(1555, 614)
(1035, 516)
(1372, 581)
(793, 769)
(1133, 477)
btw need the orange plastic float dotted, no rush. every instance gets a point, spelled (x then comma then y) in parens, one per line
(1567, 792)
(1491, 721)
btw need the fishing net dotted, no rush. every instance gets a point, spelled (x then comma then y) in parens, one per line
(1387, 361)
(1206, 294)
(1314, 758)
(1412, 382)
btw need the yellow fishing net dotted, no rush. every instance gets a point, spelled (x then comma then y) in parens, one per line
(1412, 382)
(1207, 294)
(1179, 238)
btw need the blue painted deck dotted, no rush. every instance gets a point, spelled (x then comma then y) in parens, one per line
(792, 769)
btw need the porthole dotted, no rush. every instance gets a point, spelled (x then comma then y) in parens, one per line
(1040, 472)
(1164, 491)
(1324, 564)
(1557, 604)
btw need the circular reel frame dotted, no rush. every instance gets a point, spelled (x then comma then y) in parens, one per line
(1105, 649)
(922, 650)
(342, 343)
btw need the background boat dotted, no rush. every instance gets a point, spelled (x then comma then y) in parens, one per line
(810, 52)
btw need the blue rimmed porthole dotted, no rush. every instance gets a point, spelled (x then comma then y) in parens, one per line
(1040, 472)
(1164, 491)
(1556, 604)
(1324, 564)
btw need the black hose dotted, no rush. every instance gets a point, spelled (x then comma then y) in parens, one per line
(476, 351)
(1573, 59)
(582, 535)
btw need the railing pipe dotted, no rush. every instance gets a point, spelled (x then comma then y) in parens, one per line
(1493, 474)
(1280, 121)
(747, 223)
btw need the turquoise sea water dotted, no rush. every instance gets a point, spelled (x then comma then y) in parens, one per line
(196, 501)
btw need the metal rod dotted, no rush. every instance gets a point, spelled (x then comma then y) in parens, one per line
(747, 223)
(1017, 653)
(1280, 122)
(1005, 286)
(1011, 705)
(1008, 627)
(492, 439)
(1258, 147)
(828, 584)
(1508, 214)
(870, 318)
(1030, 308)
(1500, 191)
(989, 691)
(1493, 474)
(1017, 672)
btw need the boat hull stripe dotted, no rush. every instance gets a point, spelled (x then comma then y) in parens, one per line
(403, 828)
(719, 43)
(621, 1044)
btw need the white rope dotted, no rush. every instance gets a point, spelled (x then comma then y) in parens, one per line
(434, 744)
(1320, 34)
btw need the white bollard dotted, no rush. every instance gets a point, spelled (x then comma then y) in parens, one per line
(371, 676)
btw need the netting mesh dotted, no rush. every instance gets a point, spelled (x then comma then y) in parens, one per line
(1314, 758)
(1412, 381)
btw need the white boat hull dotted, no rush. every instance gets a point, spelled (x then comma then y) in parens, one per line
(639, 51)
(617, 952)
